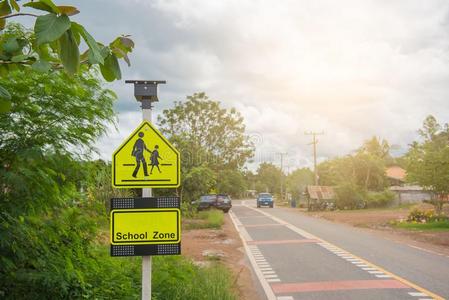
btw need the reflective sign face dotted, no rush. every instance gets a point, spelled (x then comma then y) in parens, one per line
(145, 226)
(146, 159)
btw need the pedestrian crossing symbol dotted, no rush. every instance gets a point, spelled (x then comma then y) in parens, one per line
(146, 159)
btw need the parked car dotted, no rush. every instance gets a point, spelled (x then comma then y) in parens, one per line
(220, 201)
(265, 199)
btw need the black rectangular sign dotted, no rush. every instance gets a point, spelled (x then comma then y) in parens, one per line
(157, 203)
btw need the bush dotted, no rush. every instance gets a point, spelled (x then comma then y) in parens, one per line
(213, 218)
(188, 210)
(425, 216)
(379, 199)
(349, 196)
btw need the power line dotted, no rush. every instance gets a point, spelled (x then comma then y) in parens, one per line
(314, 142)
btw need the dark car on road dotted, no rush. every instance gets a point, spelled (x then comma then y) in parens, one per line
(220, 201)
(265, 199)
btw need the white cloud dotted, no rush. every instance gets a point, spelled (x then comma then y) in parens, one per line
(353, 70)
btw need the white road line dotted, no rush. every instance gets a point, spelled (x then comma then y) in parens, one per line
(369, 269)
(271, 276)
(376, 272)
(273, 280)
(322, 242)
(285, 298)
(268, 272)
(383, 276)
(266, 269)
(263, 282)
(417, 294)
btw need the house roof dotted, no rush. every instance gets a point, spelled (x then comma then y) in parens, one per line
(321, 192)
(396, 172)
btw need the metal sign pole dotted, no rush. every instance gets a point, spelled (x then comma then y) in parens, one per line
(146, 192)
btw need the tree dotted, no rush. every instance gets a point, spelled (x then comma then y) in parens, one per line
(45, 228)
(196, 182)
(214, 135)
(212, 144)
(428, 161)
(298, 180)
(269, 178)
(365, 168)
(231, 182)
(53, 44)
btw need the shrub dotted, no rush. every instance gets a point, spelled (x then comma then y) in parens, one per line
(379, 199)
(425, 216)
(349, 196)
(188, 210)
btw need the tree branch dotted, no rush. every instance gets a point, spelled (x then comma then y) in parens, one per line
(18, 15)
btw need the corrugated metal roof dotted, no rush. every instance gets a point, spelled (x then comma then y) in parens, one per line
(321, 192)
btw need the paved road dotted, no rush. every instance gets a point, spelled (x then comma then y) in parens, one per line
(299, 257)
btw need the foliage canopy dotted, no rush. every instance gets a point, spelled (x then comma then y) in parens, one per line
(53, 44)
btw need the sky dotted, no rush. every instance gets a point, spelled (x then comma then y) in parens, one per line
(352, 69)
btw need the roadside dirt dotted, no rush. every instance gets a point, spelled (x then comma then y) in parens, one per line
(379, 222)
(205, 246)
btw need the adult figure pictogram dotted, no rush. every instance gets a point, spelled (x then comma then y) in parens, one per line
(138, 148)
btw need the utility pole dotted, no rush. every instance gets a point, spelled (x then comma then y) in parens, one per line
(314, 142)
(282, 172)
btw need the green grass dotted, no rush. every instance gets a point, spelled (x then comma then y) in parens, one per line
(207, 219)
(175, 277)
(434, 226)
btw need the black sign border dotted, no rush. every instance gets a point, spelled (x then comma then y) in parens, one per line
(178, 160)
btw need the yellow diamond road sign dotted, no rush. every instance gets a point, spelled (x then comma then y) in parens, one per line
(146, 159)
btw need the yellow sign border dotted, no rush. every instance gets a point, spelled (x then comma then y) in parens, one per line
(149, 184)
(148, 210)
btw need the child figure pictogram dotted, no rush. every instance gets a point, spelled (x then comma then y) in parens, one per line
(155, 159)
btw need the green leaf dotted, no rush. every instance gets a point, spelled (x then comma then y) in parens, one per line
(5, 106)
(121, 46)
(121, 54)
(41, 66)
(19, 58)
(45, 5)
(5, 8)
(39, 6)
(4, 94)
(69, 52)
(11, 45)
(15, 5)
(111, 69)
(68, 10)
(50, 27)
(95, 56)
(51, 4)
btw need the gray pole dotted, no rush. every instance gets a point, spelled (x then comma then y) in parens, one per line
(314, 142)
(282, 173)
(145, 91)
(314, 159)
(146, 192)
